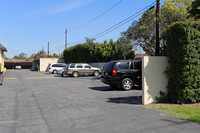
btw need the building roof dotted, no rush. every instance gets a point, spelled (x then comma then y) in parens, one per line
(3, 48)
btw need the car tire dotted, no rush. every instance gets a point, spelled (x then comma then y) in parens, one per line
(75, 74)
(64, 74)
(127, 84)
(96, 73)
(1, 82)
(54, 71)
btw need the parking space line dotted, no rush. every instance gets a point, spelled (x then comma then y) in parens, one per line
(40, 77)
(10, 78)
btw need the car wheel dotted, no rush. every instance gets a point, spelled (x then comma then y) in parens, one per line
(1, 82)
(54, 72)
(96, 73)
(64, 74)
(75, 74)
(127, 84)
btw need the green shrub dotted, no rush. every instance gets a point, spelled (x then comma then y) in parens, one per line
(183, 51)
(79, 53)
(98, 52)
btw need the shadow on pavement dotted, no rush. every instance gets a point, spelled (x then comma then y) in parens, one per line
(104, 88)
(126, 100)
(48, 73)
(176, 121)
(96, 78)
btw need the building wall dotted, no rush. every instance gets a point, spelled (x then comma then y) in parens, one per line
(153, 78)
(1, 60)
(45, 62)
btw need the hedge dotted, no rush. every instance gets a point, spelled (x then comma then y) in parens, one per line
(183, 51)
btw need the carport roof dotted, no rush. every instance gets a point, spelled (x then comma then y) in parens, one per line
(3, 48)
(16, 61)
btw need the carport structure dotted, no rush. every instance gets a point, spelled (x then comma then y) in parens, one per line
(11, 63)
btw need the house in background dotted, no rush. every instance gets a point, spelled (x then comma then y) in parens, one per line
(2, 50)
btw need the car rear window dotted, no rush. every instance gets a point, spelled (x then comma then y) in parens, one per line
(66, 66)
(109, 66)
(72, 66)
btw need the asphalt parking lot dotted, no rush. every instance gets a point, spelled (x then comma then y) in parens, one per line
(38, 102)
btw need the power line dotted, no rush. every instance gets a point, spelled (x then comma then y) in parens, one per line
(58, 38)
(124, 21)
(133, 16)
(90, 20)
(61, 46)
(117, 25)
(96, 17)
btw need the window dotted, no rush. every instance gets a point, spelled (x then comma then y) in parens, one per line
(72, 66)
(87, 66)
(79, 66)
(124, 65)
(62, 65)
(109, 66)
(58, 65)
(137, 65)
(131, 65)
(55, 65)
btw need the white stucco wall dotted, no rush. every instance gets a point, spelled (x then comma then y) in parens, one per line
(1, 60)
(153, 78)
(45, 62)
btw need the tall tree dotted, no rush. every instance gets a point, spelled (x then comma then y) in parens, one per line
(143, 31)
(194, 10)
(22, 56)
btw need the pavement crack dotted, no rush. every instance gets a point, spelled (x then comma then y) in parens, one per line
(49, 130)
(15, 114)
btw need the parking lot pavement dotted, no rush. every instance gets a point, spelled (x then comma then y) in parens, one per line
(38, 102)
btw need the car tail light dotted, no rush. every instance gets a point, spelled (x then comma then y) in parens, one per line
(68, 70)
(49, 68)
(114, 73)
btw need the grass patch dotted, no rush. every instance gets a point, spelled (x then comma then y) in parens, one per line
(184, 111)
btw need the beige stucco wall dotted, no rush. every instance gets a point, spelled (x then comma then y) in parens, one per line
(153, 78)
(45, 62)
(1, 60)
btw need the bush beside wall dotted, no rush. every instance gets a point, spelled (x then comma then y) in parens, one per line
(183, 51)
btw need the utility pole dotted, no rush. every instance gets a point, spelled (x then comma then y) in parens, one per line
(157, 28)
(42, 50)
(65, 38)
(48, 49)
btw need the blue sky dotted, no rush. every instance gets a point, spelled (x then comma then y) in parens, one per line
(28, 25)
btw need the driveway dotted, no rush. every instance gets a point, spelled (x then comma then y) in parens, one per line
(38, 102)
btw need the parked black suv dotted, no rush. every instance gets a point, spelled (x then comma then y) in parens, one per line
(125, 74)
